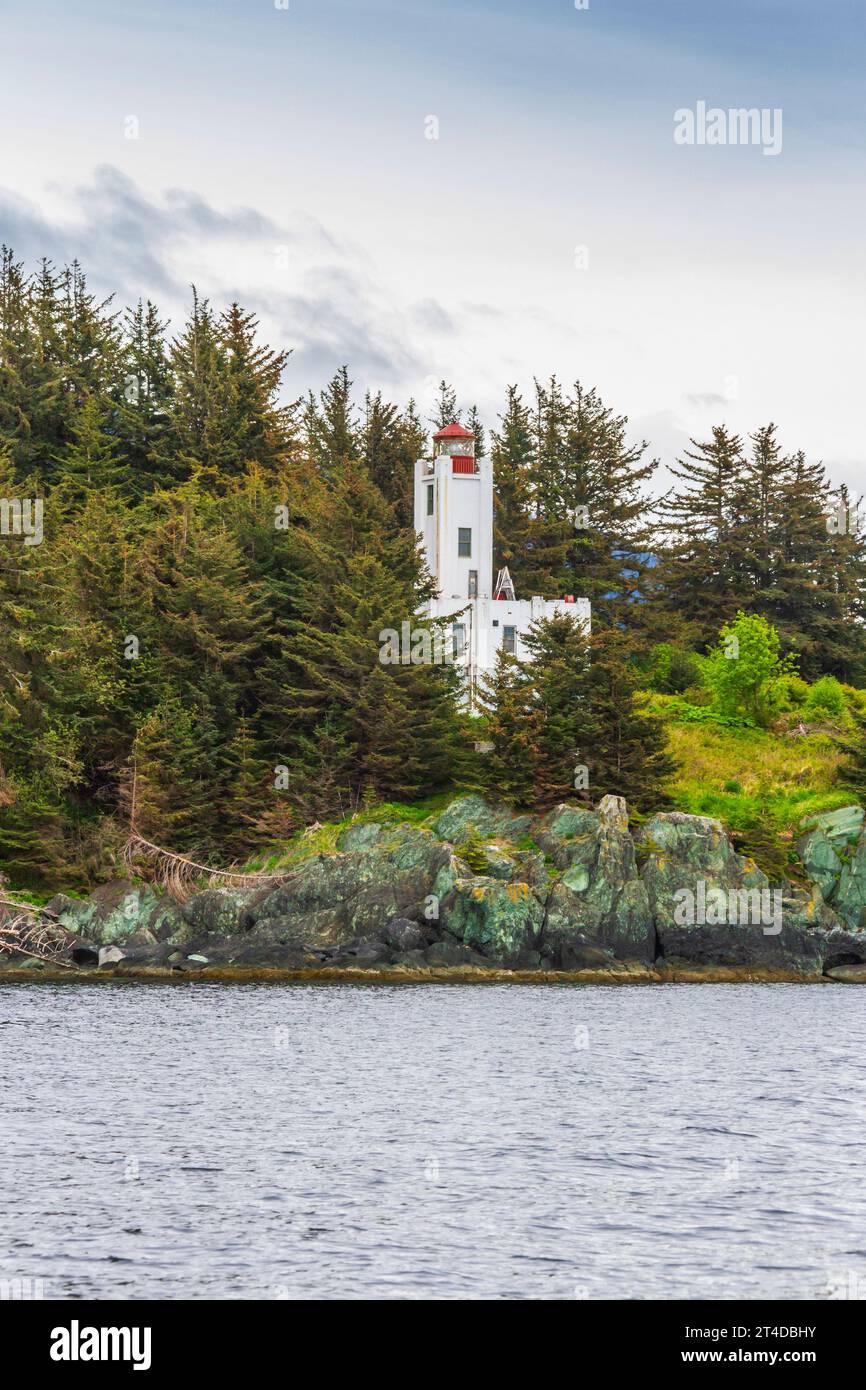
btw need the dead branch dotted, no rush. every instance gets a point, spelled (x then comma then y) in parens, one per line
(28, 933)
(181, 877)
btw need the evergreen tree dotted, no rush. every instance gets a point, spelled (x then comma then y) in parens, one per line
(628, 756)
(474, 424)
(445, 409)
(588, 525)
(512, 456)
(144, 410)
(91, 462)
(173, 780)
(330, 426)
(262, 431)
(507, 770)
(195, 436)
(705, 572)
(566, 724)
(851, 774)
(566, 733)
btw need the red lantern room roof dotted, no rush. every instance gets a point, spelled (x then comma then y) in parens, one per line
(454, 432)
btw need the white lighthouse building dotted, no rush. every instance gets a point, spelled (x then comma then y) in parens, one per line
(454, 518)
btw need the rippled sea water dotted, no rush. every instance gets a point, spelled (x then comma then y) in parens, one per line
(433, 1141)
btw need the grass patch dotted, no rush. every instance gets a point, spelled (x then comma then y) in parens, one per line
(759, 784)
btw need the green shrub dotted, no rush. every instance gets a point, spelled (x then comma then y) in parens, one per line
(792, 692)
(826, 696)
(670, 670)
(745, 669)
(471, 850)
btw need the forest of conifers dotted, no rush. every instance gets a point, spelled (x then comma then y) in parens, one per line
(194, 642)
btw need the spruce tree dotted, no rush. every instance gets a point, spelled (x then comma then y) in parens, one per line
(566, 733)
(628, 755)
(330, 425)
(507, 770)
(512, 458)
(705, 571)
(445, 410)
(474, 424)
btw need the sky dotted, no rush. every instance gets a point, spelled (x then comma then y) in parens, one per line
(486, 192)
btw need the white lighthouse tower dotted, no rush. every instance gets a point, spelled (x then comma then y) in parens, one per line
(454, 518)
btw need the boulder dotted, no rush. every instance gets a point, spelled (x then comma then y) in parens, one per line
(567, 835)
(849, 897)
(315, 931)
(491, 820)
(501, 920)
(221, 911)
(83, 952)
(713, 906)
(451, 953)
(415, 960)
(110, 955)
(840, 826)
(848, 974)
(820, 860)
(367, 887)
(498, 864)
(404, 935)
(360, 838)
(111, 913)
(599, 904)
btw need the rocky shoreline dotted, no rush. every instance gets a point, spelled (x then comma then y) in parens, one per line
(482, 894)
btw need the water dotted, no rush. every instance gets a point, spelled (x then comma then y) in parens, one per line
(267, 1141)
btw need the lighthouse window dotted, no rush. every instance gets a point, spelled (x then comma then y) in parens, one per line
(458, 637)
(473, 583)
(464, 541)
(508, 634)
(429, 499)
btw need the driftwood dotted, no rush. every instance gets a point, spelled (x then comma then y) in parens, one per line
(27, 930)
(181, 877)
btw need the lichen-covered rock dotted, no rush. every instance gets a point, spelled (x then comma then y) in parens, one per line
(222, 911)
(111, 913)
(849, 896)
(840, 826)
(315, 931)
(820, 860)
(599, 903)
(360, 838)
(501, 920)
(498, 864)
(561, 891)
(492, 821)
(568, 835)
(708, 901)
(713, 906)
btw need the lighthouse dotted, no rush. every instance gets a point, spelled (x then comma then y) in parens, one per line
(454, 520)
